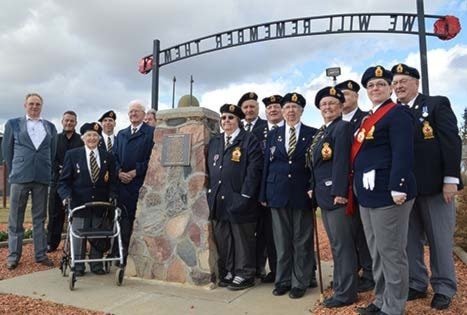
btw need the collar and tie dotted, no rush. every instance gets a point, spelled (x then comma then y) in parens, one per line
(292, 142)
(274, 127)
(94, 167)
(109, 144)
(133, 130)
(248, 127)
(227, 141)
(315, 141)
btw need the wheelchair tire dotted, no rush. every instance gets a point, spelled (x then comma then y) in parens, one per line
(119, 276)
(72, 280)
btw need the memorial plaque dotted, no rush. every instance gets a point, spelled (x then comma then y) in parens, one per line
(176, 150)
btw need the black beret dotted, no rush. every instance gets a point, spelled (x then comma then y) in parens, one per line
(405, 69)
(349, 85)
(273, 99)
(377, 72)
(329, 91)
(246, 97)
(293, 98)
(232, 109)
(90, 127)
(109, 114)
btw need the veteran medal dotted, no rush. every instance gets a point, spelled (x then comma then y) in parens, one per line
(425, 112)
(361, 135)
(427, 130)
(216, 157)
(236, 154)
(106, 177)
(326, 151)
(369, 135)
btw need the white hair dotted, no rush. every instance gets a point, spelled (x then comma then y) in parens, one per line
(137, 103)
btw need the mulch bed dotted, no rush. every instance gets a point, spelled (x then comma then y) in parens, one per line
(13, 304)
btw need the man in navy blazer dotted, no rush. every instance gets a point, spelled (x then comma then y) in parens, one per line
(438, 150)
(250, 107)
(78, 184)
(28, 148)
(284, 189)
(133, 150)
(108, 122)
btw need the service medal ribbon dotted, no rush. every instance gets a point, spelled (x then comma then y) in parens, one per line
(216, 157)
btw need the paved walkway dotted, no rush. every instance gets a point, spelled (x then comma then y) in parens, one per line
(138, 296)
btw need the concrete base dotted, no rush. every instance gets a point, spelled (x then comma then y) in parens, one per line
(137, 296)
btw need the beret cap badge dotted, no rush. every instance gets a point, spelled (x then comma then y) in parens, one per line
(332, 91)
(350, 85)
(232, 108)
(400, 68)
(273, 98)
(96, 127)
(378, 72)
(294, 97)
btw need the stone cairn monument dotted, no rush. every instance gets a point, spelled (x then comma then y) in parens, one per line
(172, 239)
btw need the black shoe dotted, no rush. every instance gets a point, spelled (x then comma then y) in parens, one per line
(46, 262)
(369, 310)
(12, 265)
(440, 301)
(280, 290)
(238, 283)
(313, 283)
(269, 278)
(296, 293)
(260, 274)
(99, 271)
(365, 285)
(415, 295)
(224, 282)
(333, 303)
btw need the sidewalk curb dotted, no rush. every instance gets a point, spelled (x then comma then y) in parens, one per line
(461, 254)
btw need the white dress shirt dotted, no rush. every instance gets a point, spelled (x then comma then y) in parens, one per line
(36, 130)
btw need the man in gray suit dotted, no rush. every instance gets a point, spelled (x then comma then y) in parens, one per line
(28, 148)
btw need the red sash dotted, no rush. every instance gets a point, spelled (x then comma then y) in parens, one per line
(365, 130)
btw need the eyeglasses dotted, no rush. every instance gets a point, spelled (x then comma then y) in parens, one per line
(228, 117)
(401, 82)
(380, 84)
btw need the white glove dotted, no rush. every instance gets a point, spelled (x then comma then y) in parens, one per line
(369, 180)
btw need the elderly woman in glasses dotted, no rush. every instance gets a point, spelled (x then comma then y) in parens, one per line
(234, 165)
(328, 159)
(384, 182)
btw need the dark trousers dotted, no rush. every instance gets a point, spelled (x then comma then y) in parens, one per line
(79, 245)
(265, 248)
(56, 218)
(293, 236)
(236, 248)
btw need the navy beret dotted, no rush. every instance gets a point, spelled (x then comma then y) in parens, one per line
(329, 91)
(273, 99)
(349, 85)
(377, 72)
(293, 98)
(405, 69)
(109, 114)
(246, 97)
(232, 109)
(93, 126)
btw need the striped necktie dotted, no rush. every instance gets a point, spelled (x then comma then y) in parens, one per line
(133, 130)
(109, 144)
(227, 142)
(248, 127)
(292, 142)
(316, 138)
(94, 167)
(273, 127)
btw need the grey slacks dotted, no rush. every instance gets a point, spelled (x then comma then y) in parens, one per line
(293, 236)
(19, 194)
(435, 219)
(339, 228)
(79, 245)
(386, 231)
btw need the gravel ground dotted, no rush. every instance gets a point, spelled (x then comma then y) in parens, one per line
(12, 304)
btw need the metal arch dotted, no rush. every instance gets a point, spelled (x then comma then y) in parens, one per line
(349, 23)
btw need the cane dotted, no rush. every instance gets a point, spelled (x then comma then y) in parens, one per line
(315, 224)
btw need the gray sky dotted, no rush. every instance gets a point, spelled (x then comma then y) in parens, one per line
(82, 55)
